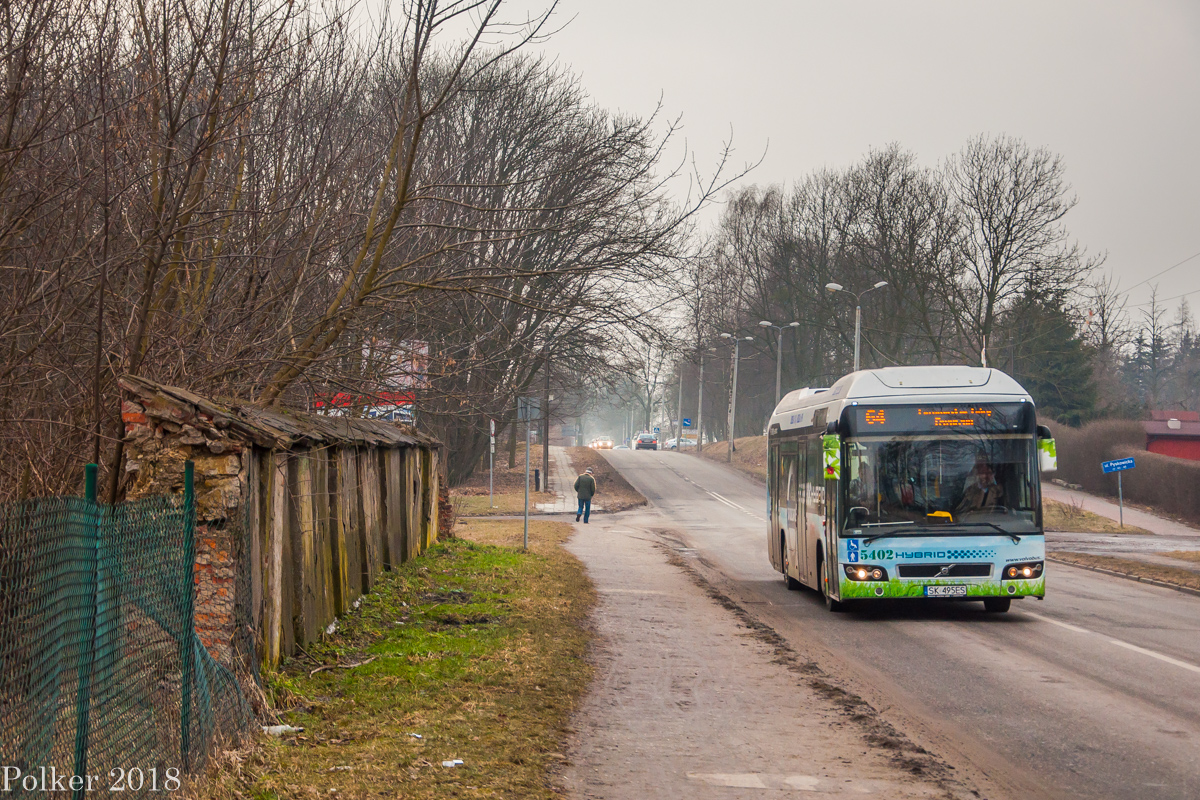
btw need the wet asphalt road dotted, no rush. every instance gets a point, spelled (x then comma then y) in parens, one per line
(1092, 693)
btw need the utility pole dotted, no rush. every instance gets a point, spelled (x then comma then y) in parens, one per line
(679, 411)
(700, 407)
(737, 347)
(528, 436)
(546, 426)
(733, 397)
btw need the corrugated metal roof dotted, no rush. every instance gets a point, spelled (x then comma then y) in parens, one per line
(1158, 415)
(277, 427)
(1163, 430)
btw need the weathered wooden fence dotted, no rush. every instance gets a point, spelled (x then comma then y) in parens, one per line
(297, 514)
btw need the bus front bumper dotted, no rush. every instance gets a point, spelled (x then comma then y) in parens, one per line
(949, 589)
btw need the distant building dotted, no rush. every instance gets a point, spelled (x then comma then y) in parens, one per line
(394, 370)
(564, 435)
(1174, 433)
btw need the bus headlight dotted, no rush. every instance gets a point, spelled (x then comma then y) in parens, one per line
(1029, 571)
(865, 572)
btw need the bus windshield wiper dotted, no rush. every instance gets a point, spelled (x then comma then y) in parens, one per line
(875, 536)
(1016, 539)
(941, 531)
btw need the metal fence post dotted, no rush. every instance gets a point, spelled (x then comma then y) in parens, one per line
(187, 654)
(83, 699)
(90, 473)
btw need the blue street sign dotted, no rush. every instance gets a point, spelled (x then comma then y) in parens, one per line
(1117, 465)
(656, 430)
(687, 423)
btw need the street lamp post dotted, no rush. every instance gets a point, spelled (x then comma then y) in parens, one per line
(737, 346)
(779, 353)
(700, 400)
(837, 287)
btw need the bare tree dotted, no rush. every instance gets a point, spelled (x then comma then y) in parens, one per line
(1011, 201)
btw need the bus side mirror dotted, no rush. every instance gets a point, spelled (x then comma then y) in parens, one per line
(1047, 451)
(831, 445)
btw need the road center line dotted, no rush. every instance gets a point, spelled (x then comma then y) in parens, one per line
(1153, 654)
(729, 503)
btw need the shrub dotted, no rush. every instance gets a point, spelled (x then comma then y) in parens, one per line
(1171, 485)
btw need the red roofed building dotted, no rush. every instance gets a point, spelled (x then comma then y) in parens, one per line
(1174, 433)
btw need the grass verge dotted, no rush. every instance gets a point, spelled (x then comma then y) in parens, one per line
(1184, 555)
(613, 492)
(473, 505)
(1071, 518)
(1176, 576)
(475, 646)
(749, 455)
(506, 477)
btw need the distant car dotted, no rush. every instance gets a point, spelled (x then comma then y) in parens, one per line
(602, 443)
(645, 441)
(621, 447)
(672, 444)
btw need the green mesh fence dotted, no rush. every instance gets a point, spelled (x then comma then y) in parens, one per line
(101, 673)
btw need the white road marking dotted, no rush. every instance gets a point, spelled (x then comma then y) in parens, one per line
(732, 504)
(1056, 622)
(729, 503)
(1152, 653)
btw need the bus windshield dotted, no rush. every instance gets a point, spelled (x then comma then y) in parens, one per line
(941, 483)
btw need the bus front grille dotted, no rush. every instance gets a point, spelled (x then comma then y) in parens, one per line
(945, 570)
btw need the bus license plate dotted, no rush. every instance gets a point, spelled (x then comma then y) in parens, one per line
(946, 591)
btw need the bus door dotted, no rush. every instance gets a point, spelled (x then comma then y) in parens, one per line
(773, 513)
(830, 514)
(789, 477)
(803, 538)
(815, 508)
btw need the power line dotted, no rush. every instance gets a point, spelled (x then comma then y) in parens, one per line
(1165, 299)
(1163, 272)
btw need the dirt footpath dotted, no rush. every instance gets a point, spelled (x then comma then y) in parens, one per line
(693, 699)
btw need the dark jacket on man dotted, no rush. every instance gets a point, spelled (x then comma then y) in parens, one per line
(585, 487)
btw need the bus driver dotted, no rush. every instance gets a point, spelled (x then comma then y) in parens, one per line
(981, 492)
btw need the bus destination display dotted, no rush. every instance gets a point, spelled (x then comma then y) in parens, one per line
(990, 417)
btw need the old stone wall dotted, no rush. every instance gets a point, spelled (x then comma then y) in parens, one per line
(296, 514)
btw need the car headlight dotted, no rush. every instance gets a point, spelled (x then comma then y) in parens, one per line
(865, 572)
(1028, 571)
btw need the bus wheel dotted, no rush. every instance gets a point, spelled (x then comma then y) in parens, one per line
(788, 580)
(997, 604)
(830, 603)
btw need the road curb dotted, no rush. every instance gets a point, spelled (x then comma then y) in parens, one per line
(1128, 576)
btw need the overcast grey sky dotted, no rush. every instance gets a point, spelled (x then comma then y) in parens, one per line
(1114, 87)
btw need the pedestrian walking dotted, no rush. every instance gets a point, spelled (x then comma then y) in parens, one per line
(585, 489)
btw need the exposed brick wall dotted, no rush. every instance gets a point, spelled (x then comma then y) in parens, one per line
(214, 574)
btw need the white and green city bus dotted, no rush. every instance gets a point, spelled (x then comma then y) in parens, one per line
(910, 482)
